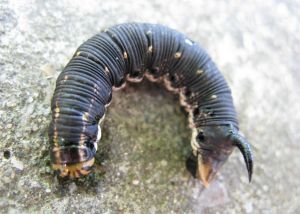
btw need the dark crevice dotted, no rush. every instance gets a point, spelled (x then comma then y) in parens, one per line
(6, 154)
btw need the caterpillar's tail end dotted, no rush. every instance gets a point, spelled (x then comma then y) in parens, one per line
(75, 170)
(241, 142)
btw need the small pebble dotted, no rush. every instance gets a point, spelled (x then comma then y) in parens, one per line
(35, 184)
(6, 180)
(11, 104)
(9, 126)
(35, 128)
(265, 188)
(135, 182)
(29, 100)
(248, 207)
(17, 164)
(164, 163)
(72, 188)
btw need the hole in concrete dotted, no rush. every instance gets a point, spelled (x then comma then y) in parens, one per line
(6, 154)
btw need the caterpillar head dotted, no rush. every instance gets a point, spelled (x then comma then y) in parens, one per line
(212, 145)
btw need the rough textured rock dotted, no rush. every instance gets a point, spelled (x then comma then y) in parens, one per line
(140, 164)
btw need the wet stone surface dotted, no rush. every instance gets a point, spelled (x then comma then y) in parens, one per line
(140, 165)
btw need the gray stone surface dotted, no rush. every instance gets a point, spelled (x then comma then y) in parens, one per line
(140, 164)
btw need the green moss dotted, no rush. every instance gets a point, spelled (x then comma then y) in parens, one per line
(146, 140)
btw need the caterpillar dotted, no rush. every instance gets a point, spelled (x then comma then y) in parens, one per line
(130, 52)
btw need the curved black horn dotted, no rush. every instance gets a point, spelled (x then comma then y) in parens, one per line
(243, 145)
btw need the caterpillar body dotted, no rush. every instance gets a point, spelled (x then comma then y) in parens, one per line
(129, 52)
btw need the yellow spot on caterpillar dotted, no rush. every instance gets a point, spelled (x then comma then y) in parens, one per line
(177, 55)
(150, 48)
(85, 116)
(199, 72)
(95, 89)
(189, 42)
(66, 77)
(106, 70)
(82, 137)
(55, 137)
(214, 96)
(56, 111)
(78, 53)
(149, 32)
(125, 55)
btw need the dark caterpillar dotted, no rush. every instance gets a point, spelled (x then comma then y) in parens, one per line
(132, 51)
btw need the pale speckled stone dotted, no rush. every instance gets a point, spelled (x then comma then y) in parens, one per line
(254, 43)
(72, 188)
(17, 164)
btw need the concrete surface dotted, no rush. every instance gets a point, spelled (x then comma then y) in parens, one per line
(140, 164)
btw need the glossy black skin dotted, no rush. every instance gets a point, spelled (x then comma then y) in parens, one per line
(215, 142)
(84, 88)
(215, 146)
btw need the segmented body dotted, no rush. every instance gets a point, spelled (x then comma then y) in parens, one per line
(128, 52)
